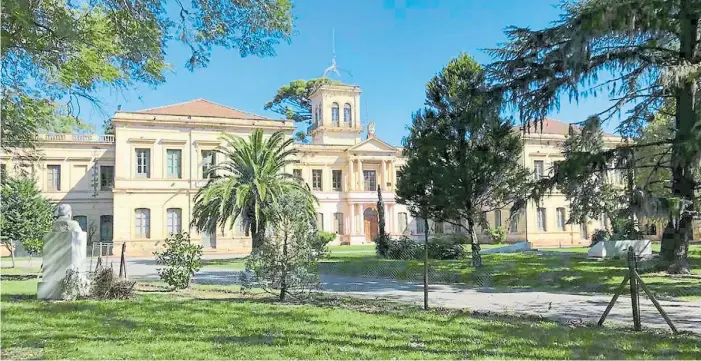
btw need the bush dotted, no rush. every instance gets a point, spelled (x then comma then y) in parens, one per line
(443, 247)
(599, 235)
(382, 245)
(497, 234)
(404, 248)
(320, 243)
(447, 247)
(181, 258)
(76, 285)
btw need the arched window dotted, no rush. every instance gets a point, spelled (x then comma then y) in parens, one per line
(347, 115)
(334, 114)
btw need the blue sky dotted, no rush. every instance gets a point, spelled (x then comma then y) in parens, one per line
(391, 47)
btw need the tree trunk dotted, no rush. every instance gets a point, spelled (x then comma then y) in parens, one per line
(12, 254)
(677, 243)
(425, 263)
(257, 234)
(283, 275)
(476, 256)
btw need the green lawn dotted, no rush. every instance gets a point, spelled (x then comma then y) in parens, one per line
(210, 324)
(551, 270)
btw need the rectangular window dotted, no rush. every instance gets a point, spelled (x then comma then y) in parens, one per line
(142, 223)
(602, 220)
(456, 228)
(320, 221)
(106, 223)
(106, 177)
(538, 165)
(513, 224)
(174, 222)
(53, 177)
(82, 222)
(3, 172)
(174, 163)
(337, 177)
(541, 220)
(317, 180)
(297, 173)
(402, 222)
(438, 227)
(338, 223)
(143, 163)
(497, 218)
(208, 161)
(420, 225)
(370, 180)
(560, 218)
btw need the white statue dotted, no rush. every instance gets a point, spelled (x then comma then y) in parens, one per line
(64, 220)
(371, 130)
(65, 249)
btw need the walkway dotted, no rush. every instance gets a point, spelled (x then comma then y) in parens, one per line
(572, 308)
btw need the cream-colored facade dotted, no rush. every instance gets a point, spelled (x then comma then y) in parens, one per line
(138, 185)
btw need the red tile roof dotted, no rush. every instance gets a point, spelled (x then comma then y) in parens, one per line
(201, 108)
(552, 126)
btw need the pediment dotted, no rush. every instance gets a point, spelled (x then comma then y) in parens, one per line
(372, 145)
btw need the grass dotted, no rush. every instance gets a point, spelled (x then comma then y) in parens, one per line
(568, 271)
(207, 324)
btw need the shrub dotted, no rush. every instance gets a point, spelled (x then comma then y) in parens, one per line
(599, 235)
(443, 247)
(382, 245)
(181, 259)
(321, 241)
(497, 234)
(404, 248)
(447, 247)
(76, 285)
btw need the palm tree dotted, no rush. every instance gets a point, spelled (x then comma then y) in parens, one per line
(251, 177)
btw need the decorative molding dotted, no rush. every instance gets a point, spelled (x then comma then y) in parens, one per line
(199, 143)
(141, 140)
(173, 141)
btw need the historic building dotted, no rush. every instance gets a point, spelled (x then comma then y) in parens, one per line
(138, 185)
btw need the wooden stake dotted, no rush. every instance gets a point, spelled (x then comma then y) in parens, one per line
(657, 304)
(122, 263)
(618, 292)
(634, 296)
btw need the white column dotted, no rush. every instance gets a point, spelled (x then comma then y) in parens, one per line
(383, 174)
(388, 219)
(393, 174)
(361, 220)
(349, 176)
(361, 183)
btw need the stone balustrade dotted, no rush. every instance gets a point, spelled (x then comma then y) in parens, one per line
(85, 138)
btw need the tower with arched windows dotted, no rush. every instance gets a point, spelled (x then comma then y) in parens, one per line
(336, 115)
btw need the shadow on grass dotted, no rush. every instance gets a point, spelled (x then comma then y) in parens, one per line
(163, 326)
(547, 271)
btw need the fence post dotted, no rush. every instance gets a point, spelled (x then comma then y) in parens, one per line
(634, 296)
(122, 263)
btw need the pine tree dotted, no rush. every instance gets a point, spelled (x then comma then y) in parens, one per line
(652, 50)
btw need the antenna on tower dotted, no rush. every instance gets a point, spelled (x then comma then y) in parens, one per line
(333, 68)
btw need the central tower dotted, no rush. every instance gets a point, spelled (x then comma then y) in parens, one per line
(336, 115)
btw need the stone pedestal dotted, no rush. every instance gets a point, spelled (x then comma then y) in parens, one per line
(62, 251)
(610, 249)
